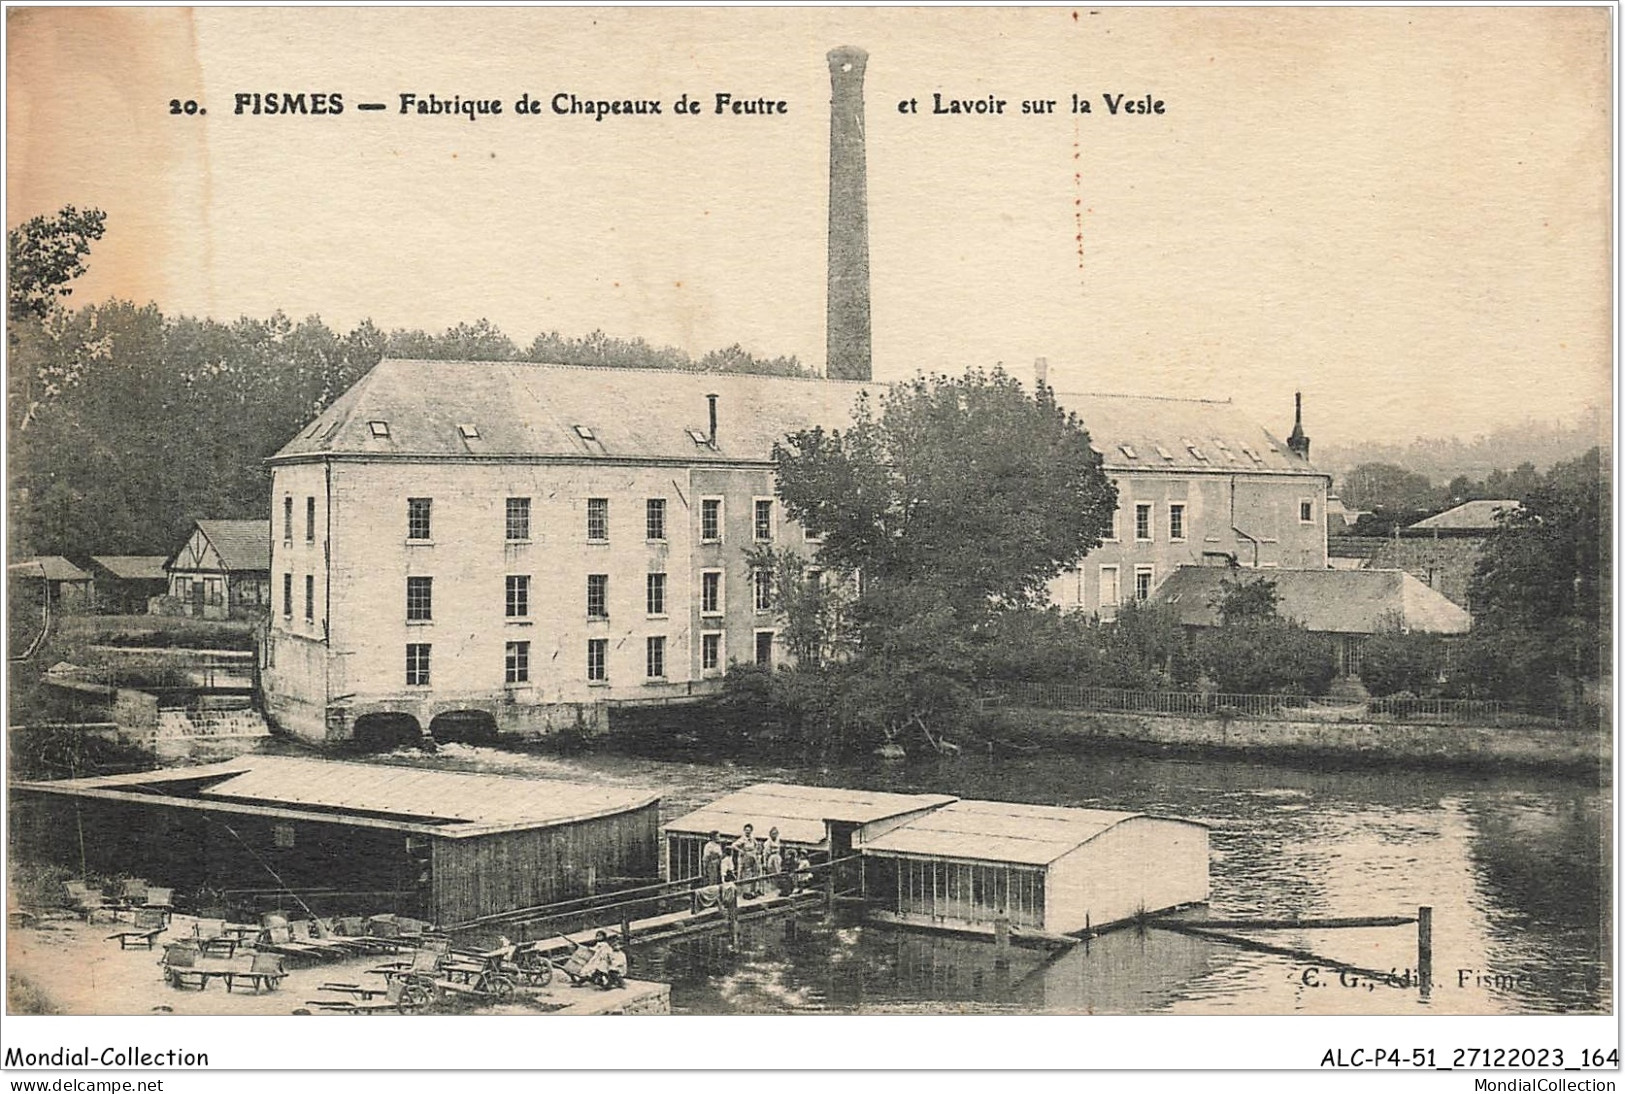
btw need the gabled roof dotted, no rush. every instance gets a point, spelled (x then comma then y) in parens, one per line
(1330, 601)
(522, 410)
(132, 567)
(1034, 835)
(243, 545)
(1152, 433)
(49, 567)
(445, 803)
(1469, 516)
(799, 812)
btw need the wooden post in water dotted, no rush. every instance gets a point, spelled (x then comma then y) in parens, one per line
(1001, 931)
(829, 887)
(626, 928)
(1424, 949)
(592, 880)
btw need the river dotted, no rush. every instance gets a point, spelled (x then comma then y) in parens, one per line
(1515, 866)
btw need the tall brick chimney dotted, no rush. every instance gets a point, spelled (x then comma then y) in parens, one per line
(847, 316)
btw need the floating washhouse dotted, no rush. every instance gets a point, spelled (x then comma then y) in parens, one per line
(820, 819)
(443, 846)
(1048, 869)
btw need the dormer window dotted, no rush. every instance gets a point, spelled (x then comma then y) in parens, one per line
(1127, 450)
(379, 429)
(1197, 452)
(1164, 453)
(470, 431)
(585, 433)
(698, 436)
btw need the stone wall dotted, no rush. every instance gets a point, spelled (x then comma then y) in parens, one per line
(1383, 742)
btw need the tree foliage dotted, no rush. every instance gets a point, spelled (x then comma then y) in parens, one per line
(969, 486)
(1542, 589)
(127, 425)
(1244, 601)
(956, 500)
(44, 255)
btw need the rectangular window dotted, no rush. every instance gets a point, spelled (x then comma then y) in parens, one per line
(656, 594)
(1176, 520)
(516, 662)
(417, 663)
(654, 519)
(598, 519)
(1306, 511)
(597, 659)
(516, 519)
(710, 592)
(597, 596)
(282, 836)
(763, 524)
(310, 597)
(287, 595)
(287, 519)
(1115, 533)
(1111, 593)
(1142, 521)
(1142, 582)
(310, 520)
(711, 520)
(417, 517)
(710, 651)
(655, 650)
(516, 598)
(762, 581)
(764, 648)
(419, 599)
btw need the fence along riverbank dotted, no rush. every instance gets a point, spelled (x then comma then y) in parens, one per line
(1433, 732)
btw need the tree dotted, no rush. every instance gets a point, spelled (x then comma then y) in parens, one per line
(1393, 660)
(1542, 588)
(1387, 486)
(1243, 601)
(957, 501)
(44, 255)
(969, 486)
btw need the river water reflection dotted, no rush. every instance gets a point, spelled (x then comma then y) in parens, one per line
(1516, 868)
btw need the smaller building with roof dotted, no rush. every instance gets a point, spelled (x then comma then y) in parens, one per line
(1443, 550)
(1348, 605)
(1045, 868)
(224, 569)
(126, 583)
(447, 847)
(53, 580)
(821, 820)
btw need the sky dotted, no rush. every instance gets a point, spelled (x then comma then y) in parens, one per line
(1403, 213)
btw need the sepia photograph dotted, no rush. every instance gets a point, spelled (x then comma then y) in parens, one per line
(955, 513)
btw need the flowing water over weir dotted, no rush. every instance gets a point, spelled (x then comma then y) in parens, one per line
(1516, 868)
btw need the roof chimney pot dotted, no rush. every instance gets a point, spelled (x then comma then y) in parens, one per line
(711, 401)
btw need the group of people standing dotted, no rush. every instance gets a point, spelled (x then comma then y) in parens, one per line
(748, 865)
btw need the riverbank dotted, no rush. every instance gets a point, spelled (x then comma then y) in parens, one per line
(1341, 743)
(63, 965)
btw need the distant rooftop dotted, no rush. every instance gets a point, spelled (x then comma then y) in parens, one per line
(243, 545)
(1469, 516)
(133, 567)
(49, 567)
(1329, 601)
